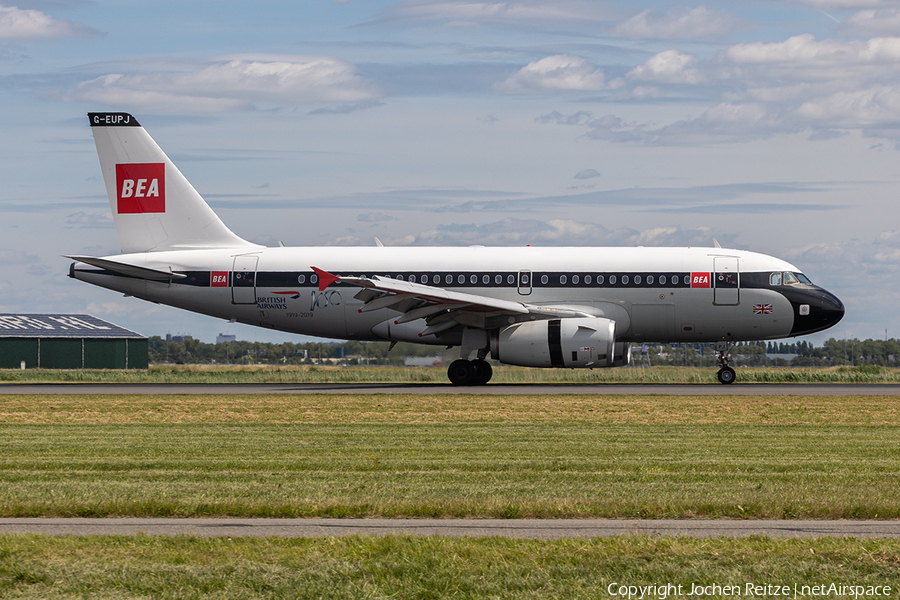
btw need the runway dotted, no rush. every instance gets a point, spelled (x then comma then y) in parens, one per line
(737, 389)
(519, 528)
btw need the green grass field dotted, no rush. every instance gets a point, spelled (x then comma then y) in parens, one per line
(443, 455)
(406, 567)
(450, 455)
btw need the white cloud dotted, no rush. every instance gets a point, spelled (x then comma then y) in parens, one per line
(857, 108)
(232, 83)
(695, 23)
(804, 51)
(846, 4)
(18, 24)
(824, 89)
(669, 66)
(873, 22)
(587, 174)
(467, 12)
(559, 73)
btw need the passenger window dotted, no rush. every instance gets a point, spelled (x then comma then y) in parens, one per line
(612, 279)
(587, 279)
(436, 279)
(625, 279)
(544, 279)
(301, 279)
(637, 279)
(448, 279)
(473, 279)
(563, 279)
(575, 279)
(498, 279)
(650, 280)
(600, 279)
(486, 279)
(775, 279)
(662, 280)
(510, 279)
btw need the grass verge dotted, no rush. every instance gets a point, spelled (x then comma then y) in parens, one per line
(431, 567)
(502, 374)
(450, 456)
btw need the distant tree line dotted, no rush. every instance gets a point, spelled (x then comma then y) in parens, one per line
(764, 354)
(191, 351)
(833, 352)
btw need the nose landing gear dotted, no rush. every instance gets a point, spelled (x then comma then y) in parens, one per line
(726, 374)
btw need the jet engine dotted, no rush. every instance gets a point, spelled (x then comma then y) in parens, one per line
(576, 343)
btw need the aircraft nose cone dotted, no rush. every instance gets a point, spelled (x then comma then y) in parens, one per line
(816, 310)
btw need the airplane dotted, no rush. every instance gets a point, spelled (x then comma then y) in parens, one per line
(558, 307)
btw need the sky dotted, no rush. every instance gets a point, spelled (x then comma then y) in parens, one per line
(771, 126)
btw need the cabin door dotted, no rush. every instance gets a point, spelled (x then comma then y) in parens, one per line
(243, 279)
(726, 281)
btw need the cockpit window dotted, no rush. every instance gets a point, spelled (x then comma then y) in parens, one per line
(775, 279)
(790, 279)
(803, 278)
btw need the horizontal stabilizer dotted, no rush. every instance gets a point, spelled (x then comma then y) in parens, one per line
(130, 270)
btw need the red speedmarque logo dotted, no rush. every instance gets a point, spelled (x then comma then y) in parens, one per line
(219, 279)
(699, 280)
(141, 188)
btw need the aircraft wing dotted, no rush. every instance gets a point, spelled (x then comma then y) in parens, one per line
(441, 308)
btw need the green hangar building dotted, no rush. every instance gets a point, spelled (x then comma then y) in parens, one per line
(69, 342)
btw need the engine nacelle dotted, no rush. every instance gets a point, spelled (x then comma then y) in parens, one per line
(622, 354)
(577, 343)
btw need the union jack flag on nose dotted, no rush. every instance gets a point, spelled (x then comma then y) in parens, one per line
(762, 309)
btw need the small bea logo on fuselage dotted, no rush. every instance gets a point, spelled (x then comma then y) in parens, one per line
(219, 279)
(699, 280)
(141, 188)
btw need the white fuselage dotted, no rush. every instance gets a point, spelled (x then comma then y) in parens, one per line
(653, 294)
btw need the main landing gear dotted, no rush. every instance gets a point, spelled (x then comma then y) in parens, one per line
(726, 374)
(470, 372)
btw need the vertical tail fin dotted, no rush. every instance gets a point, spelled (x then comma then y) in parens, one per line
(154, 206)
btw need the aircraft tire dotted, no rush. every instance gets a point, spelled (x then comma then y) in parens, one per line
(726, 375)
(483, 371)
(461, 372)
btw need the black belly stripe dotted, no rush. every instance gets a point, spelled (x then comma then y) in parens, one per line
(554, 342)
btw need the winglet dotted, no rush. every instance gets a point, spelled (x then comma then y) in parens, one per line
(325, 278)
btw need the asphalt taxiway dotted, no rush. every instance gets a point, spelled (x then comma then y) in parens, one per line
(737, 389)
(511, 528)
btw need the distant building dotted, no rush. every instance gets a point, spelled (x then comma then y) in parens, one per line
(177, 338)
(225, 339)
(57, 341)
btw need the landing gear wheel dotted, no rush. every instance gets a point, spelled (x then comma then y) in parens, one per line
(726, 375)
(483, 371)
(461, 372)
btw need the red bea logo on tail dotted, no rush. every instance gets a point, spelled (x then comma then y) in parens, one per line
(141, 188)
